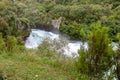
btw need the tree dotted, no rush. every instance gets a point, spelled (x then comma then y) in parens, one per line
(98, 58)
(117, 58)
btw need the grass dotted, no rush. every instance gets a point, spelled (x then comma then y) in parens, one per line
(30, 66)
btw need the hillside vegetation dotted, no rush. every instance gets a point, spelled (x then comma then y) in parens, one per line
(77, 14)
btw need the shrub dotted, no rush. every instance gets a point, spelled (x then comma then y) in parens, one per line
(98, 58)
(73, 29)
(117, 58)
(3, 25)
(50, 48)
(11, 43)
(2, 43)
(44, 49)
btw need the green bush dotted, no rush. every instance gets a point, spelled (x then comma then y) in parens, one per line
(44, 49)
(117, 58)
(50, 48)
(98, 58)
(11, 43)
(73, 29)
(2, 43)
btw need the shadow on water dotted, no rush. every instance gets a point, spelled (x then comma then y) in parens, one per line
(46, 27)
(50, 28)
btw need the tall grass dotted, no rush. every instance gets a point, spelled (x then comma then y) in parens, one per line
(41, 64)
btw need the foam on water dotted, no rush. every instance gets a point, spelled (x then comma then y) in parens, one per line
(31, 43)
(36, 37)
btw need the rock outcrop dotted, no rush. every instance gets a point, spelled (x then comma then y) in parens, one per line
(56, 23)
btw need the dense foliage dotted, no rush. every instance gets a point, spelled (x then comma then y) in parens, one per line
(18, 16)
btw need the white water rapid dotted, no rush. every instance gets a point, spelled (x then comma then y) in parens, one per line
(37, 36)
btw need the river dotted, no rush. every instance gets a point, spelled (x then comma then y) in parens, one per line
(37, 36)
